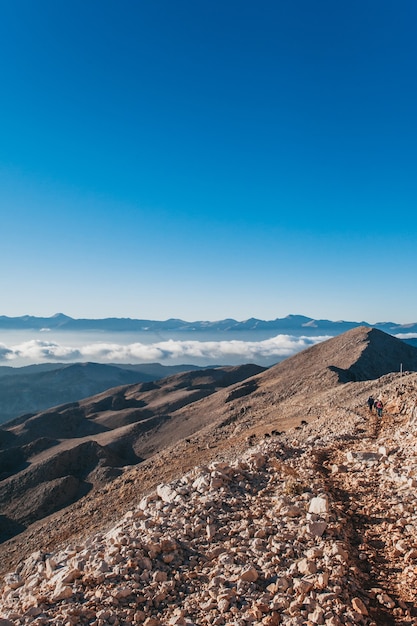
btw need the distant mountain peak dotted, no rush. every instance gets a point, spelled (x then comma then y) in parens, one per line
(290, 324)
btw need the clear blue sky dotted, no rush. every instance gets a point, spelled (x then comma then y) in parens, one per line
(205, 159)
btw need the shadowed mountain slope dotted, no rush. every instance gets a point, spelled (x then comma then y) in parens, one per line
(291, 389)
(112, 429)
(35, 388)
(359, 354)
(170, 425)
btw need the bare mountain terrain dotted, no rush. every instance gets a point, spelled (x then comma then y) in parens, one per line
(34, 388)
(319, 527)
(51, 459)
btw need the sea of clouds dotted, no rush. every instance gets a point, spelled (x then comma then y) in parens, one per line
(168, 352)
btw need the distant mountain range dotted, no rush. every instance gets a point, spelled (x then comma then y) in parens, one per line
(288, 324)
(37, 387)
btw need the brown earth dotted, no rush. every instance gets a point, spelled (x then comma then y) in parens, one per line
(50, 460)
(314, 394)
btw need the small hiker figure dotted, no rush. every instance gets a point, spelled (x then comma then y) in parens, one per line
(379, 406)
(371, 403)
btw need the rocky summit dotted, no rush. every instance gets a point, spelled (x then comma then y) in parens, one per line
(290, 502)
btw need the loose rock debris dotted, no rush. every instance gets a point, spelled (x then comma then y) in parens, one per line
(317, 529)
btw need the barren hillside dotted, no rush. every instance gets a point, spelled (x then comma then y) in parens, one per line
(35, 388)
(50, 460)
(304, 514)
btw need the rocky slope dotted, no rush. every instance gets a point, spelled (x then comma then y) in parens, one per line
(315, 525)
(50, 460)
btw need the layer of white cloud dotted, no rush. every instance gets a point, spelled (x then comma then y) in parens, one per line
(168, 352)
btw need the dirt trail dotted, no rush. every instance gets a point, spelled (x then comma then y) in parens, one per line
(380, 532)
(368, 467)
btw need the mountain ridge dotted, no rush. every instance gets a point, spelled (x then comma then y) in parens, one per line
(33, 388)
(136, 422)
(126, 425)
(60, 321)
(261, 491)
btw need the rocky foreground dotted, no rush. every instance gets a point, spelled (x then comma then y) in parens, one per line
(317, 526)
